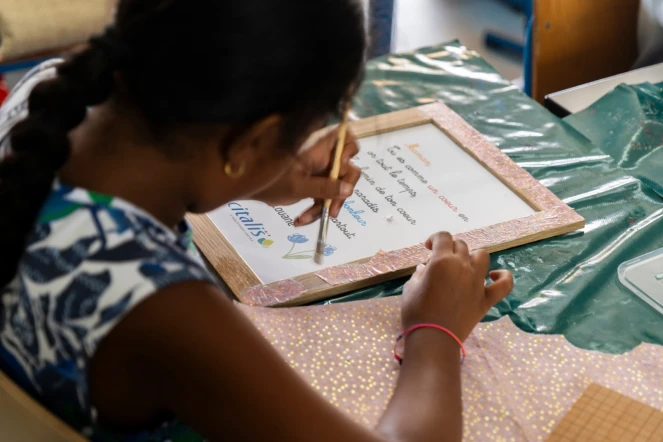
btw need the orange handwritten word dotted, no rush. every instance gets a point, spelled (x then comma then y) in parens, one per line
(413, 148)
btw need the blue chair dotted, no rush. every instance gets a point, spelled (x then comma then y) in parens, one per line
(23, 65)
(527, 56)
(494, 39)
(501, 42)
(381, 20)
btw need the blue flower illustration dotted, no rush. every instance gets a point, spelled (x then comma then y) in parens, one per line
(297, 238)
(328, 250)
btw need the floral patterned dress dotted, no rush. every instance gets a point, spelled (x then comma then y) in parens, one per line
(89, 259)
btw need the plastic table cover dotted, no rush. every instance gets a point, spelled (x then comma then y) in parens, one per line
(627, 124)
(566, 285)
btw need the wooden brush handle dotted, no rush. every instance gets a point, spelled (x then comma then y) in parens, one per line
(338, 151)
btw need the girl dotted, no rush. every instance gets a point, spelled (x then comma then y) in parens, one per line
(107, 314)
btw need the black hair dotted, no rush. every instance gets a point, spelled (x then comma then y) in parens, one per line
(182, 62)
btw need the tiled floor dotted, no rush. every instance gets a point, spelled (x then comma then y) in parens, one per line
(427, 22)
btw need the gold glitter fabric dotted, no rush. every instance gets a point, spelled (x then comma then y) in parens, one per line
(516, 386)
(282, 291)
(383, 262)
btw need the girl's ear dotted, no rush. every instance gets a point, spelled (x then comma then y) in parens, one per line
(255, 145)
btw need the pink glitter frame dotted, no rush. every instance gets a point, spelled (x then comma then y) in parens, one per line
(552, 218)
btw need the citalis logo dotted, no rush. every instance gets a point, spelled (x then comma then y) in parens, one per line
(249, 225)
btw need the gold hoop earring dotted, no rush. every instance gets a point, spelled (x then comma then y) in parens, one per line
(234, 174)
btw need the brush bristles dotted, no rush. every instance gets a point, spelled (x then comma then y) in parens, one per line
(322, 237)
(319, 252)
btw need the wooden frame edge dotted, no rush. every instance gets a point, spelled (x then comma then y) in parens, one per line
(209, 240)
(326, 290)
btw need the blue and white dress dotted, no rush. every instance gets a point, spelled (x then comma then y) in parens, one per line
(89, 260)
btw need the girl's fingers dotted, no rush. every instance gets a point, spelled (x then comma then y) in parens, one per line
(461, 248)
(351, 147)
(352, 178)
(500, 287)
(321, 188)
(310, 215)
(480, 260)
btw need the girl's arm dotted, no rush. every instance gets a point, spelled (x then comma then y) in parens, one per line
(188, 351)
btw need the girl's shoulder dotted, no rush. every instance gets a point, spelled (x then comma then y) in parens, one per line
(88, 261)
(90, 227)
(83, 236)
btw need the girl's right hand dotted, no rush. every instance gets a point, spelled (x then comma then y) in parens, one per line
(450, 290)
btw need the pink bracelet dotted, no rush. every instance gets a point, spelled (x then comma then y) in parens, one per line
(438, 327)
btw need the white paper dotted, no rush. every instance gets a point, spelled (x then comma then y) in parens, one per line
(416, 182)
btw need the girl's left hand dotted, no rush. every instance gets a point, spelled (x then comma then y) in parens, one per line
(308, 177)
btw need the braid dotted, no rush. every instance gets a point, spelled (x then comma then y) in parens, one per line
(40, 143)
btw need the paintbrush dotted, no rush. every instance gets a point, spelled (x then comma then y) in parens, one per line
(336, 167)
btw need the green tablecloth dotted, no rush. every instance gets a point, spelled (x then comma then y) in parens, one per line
(567, 285)
(627, 124)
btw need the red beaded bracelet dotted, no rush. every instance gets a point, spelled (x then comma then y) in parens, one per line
(438, 327)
